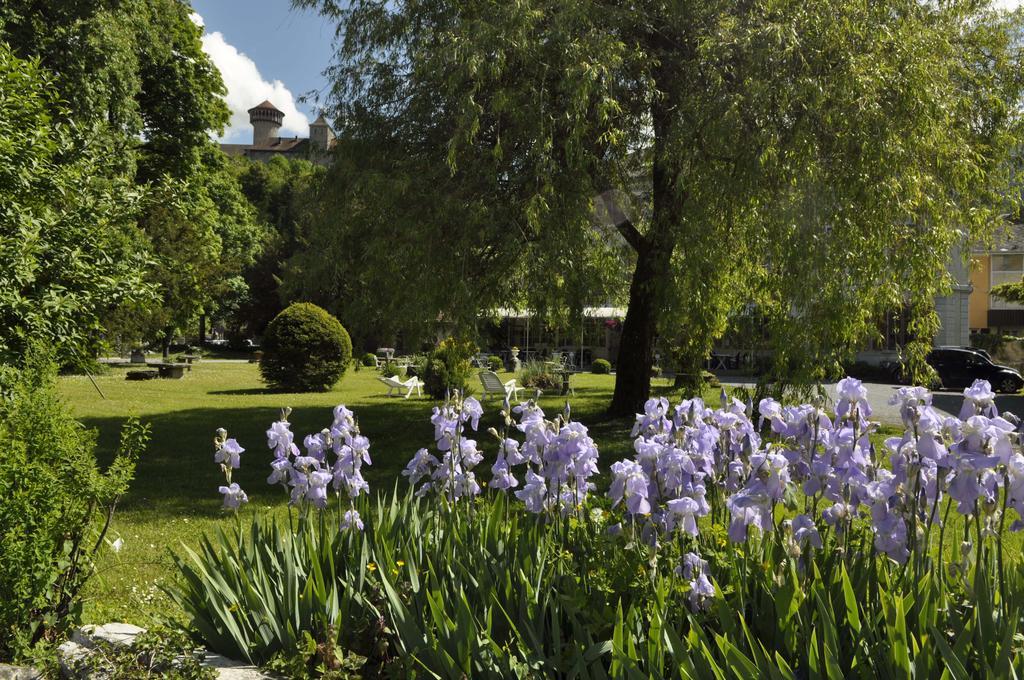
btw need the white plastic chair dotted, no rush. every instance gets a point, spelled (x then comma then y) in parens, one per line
(409, 385)
(493, 385)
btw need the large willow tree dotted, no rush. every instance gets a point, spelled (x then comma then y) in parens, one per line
(816, 161)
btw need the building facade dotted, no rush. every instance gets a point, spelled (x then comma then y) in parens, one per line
(267, 143)
(1003, 263)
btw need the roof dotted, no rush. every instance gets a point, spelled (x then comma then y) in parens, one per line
(277, 144)
(1007, 239)
(320, 120)
(266, 105)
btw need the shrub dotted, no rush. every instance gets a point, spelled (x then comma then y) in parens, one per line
(369, 360)
(305, 349)
(448, 368)
(601, 367)
(392, 368)
(495, 363)
(538, 375)
(710, 379)
(55, 504)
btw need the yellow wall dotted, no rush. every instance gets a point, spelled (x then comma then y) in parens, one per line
(977, 303)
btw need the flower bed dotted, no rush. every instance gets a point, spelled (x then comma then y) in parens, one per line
(780, 545)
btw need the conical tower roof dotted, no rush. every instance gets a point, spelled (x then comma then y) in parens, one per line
(267, 106)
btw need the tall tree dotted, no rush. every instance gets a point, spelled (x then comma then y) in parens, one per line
(819, 159)
(67, 255)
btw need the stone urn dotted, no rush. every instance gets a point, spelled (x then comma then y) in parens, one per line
(138, 356)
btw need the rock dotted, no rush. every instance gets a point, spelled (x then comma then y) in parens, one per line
(71, 653)
(229, 669)
(85, 639)
(113, 634)
(18, 673)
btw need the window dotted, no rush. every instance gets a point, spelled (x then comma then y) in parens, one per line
(1006, 268)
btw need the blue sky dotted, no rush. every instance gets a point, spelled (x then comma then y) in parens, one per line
(266, 50)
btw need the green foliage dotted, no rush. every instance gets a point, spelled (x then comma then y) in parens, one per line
(369, 359)
(601, 367)
(495, 363)
(797, 158)
(305, 349)
(392, 368)
(55, 504)
(447, 367)
(65, 227)
(284, 195)
(538, 375)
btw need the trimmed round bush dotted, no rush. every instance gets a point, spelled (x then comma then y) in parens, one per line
(495, 363)
(369, 359)
(601, 366)
(305, 349)
(447, 368)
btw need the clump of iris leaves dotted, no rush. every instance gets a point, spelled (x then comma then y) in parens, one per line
(738, 542)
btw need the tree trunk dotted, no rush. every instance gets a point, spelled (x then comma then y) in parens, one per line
(639, 330)
(202, 330)
(654, 255)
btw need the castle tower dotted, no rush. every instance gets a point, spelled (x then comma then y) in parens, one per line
(320, 134)
(266, 121)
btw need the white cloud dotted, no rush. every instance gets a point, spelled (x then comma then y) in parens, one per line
(1006, 4)
(247, 88)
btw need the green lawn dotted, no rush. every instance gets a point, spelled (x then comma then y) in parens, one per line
(174, 497)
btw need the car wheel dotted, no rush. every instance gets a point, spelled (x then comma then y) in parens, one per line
(1009, 385)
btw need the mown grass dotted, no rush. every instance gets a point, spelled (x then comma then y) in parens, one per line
(174, 497)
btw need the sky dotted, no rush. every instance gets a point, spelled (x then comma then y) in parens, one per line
(266, 50)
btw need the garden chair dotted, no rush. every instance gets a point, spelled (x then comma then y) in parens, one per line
(493, 385)
(394, 383)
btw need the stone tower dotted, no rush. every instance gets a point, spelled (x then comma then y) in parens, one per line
(266, 122)
(320, 134)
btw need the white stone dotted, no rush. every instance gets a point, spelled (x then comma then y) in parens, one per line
(229, 669)
(114, 634)
(70, 654)
(8, 672)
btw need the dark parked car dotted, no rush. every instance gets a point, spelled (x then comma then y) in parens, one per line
(959, 368)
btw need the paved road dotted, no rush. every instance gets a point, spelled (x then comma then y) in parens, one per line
(879, 395)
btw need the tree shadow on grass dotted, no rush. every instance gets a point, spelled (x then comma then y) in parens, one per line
(177, 476)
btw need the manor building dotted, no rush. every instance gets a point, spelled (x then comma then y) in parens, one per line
(266, 122)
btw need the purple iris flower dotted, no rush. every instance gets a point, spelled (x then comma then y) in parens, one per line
(280, 439)
(682, 513)
(979, 399)
(317, 492)
(629, 483)
(805, 532)
(281, 470)
(420, 466)
(471, 412)
(853, 397)
(501, 476)
(533, 492)
(228, 454)
(351, 520)
(701, 590)
(233, 496)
